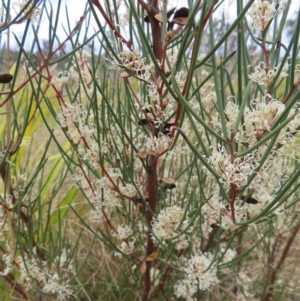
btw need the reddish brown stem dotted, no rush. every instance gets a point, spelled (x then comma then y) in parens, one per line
(233, 187)
(211, 239)
(143, 4)
(281, 261)
(151, 160)
(152, 198)
(156, 32)
(287, 97)
(16, 286)
(111, 24)
(233, 192)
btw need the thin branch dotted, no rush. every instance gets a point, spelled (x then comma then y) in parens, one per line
(111, 25)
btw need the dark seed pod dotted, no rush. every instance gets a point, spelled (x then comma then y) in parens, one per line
(182, 12)
(143, 122)
(181, 16)
(167, 183)
(251, 201)
(140, 200)
(146, 17)
(5, 78)
(169, 186)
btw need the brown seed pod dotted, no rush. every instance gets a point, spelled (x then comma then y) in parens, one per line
(181, 16)
(180, 21)
(125, 74)
(5, 78)
(159, 17)
(143, 122)
(142, 155)
(251, 200)
(182, 12)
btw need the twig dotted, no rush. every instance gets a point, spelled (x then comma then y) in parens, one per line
(281, 261)
(111, 25)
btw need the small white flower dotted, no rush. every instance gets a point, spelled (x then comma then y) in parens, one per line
(185, 289)
(123, 232)
(60, 79)
(157, 144)
(264, 78)
(229, 255)
(7, 260)
(166, 225)
(133, 60)
(126, 248)
(201, 271)
(236, 171)
(154, 274)
(31, 12)
(261, 12)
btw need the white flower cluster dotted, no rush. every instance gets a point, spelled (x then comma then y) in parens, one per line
(259, 119)
(172, 55)
(61, 79)
(124, 19)
(32, 273)
(70, 114)
(30, 11)
(133, 61)
(200, 273)
(126, 246)
(73, 119)
(261, 12)
(157, 144)
(215, 211)
(107, 193)
(208, 96)
(200, 270)
(264, 78)
(169, 224)
(153, 93)
(236, 172)
(7, 259)
(162, 109)
(185, 289)
(123, 232)
(180, 78)
(227, 254)
(80, 72)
